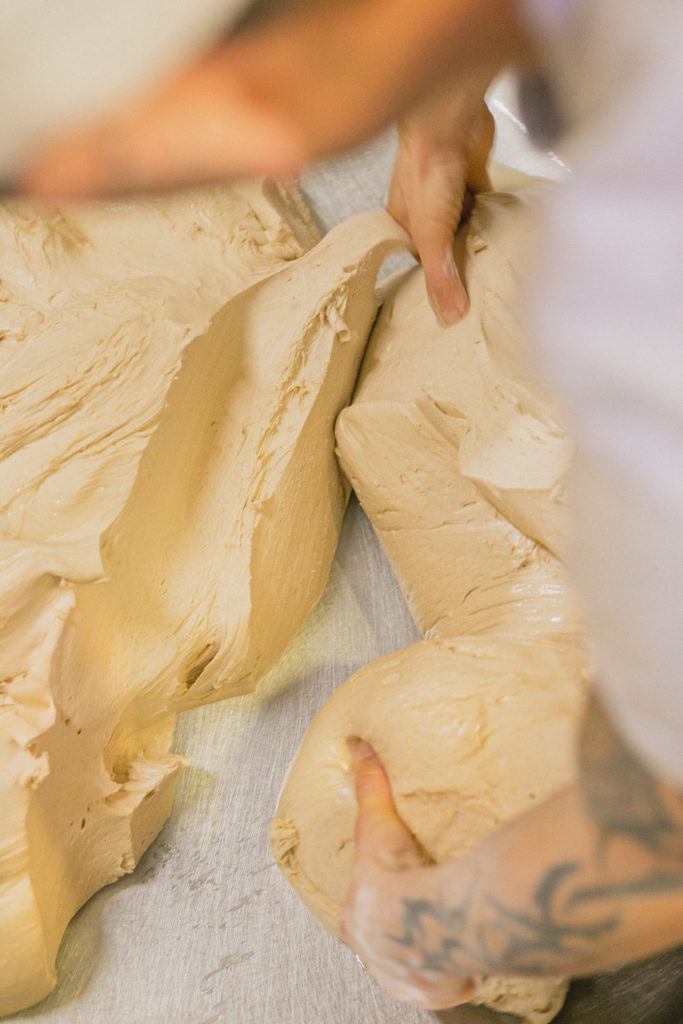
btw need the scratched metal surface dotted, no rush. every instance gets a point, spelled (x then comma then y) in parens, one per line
(206, 930)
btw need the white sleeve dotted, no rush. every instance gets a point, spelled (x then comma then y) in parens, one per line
(546, 18)
(608, 315)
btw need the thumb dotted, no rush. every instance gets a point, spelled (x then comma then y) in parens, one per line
(426, 197)
(381, 838)
(445, 289)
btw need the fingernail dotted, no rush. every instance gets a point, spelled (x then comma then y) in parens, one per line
(449, 309)
(436, 310)
(358, 747)
(449, 299)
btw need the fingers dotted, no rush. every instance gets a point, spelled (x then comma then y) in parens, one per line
(443, 150)
(381, 839)
(445, 289)
(434, 229)
(388, 869)
(306, 85)
(432, 993)
(426, 198)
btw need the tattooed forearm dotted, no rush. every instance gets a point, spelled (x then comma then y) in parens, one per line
(539, 939)
(622, 796)
(504, 937)
(613, 850)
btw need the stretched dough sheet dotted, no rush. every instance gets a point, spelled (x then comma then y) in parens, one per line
(170, 504)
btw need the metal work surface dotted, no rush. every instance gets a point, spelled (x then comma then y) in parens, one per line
(206, 930)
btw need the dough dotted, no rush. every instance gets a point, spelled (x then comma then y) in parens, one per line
(459, 458)
(472, 731)
(170, 503)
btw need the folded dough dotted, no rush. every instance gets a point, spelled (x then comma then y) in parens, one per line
(170, 503)
(459, 458)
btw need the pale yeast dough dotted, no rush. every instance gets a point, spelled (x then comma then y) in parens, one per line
(459, 459)
(170, 373)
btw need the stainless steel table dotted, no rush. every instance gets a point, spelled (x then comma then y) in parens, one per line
(206, 930)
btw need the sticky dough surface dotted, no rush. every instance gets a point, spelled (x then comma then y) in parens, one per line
(170, 373)
(459, 458)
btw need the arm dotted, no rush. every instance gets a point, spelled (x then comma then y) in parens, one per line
(308, 84)
(588, 880)
(305, 84)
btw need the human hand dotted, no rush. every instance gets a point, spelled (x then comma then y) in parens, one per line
(443, 148)
(302, 86)
(388, 869)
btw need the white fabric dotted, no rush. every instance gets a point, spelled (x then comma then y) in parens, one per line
(67, 60)
(608, 314)
(548, 17)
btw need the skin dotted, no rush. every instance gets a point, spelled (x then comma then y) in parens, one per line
(584, 882)
(317, 79)
(443, 148)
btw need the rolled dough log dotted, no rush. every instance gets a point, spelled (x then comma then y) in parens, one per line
(459, 458)
(169, 507)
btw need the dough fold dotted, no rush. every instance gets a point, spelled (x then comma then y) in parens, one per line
(170, 503)
(459, 457)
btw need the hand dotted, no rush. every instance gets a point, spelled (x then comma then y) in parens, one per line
(304, 85)
(389, 867)
(443, 149)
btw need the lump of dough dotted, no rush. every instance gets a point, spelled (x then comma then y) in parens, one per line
(472, 732)
(463, 567)
(458, 453)
(170, 373)
(459, 458)
(473, 380)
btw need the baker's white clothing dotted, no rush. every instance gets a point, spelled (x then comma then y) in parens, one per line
(607, 315)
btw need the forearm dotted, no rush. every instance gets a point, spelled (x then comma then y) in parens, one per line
(315, 80)
(581, 883)
(344, 70)
(545, 895)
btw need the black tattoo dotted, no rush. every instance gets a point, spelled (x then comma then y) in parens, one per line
(650, 885)
(571, 908)
(622, 797)
(501, 937)
(529, 938)
(506, 938)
